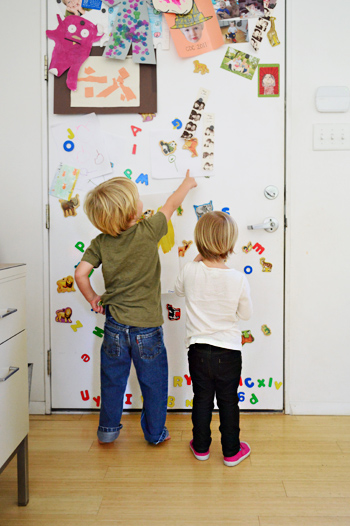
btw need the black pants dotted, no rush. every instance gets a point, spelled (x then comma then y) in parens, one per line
(215, 371)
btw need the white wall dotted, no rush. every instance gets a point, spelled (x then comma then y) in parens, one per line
(318, 184)
(21, 199)
(317, 286)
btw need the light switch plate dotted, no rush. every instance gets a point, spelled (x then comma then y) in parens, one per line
(331, 136)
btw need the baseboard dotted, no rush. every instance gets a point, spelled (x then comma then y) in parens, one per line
(37, 408)
(318, 408)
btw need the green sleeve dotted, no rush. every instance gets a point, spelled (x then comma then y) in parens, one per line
(92, 254)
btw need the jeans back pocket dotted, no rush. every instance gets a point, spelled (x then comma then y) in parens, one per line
(150, 344)
(111, 345)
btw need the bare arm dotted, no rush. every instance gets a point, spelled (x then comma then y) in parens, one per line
(82, 280)
(175, 200)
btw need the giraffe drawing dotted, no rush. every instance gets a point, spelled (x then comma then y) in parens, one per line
(272, 33)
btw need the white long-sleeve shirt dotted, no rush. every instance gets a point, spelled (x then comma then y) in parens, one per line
(216, 299)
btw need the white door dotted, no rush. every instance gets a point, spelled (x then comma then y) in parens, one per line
(248, 183)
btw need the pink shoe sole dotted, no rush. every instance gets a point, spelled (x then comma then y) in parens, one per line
(243, 453)
(199, 456)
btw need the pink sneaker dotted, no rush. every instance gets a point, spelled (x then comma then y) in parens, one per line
(199, 456)
(243, 453)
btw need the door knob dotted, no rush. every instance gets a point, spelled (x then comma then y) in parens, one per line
(270, 224)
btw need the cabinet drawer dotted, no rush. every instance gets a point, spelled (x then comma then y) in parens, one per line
(14, 415)
(12, 307)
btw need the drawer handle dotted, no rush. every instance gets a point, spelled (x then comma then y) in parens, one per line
(12, 370)
(8, 312)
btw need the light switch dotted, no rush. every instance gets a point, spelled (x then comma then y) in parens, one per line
(331, 137)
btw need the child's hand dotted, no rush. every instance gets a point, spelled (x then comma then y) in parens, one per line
(95, 304)
(190, 180)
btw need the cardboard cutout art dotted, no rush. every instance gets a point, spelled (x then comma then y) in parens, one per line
(179, 7)
(73, 39)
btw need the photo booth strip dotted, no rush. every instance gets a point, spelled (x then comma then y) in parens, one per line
(196, 114)
(262, 24)
(208, 141)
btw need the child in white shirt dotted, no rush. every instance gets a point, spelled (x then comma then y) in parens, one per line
(216, 298)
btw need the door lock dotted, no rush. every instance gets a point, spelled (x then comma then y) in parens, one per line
(270, 224)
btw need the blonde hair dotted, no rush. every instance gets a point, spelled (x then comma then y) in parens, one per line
(215, 235)
(112, 205)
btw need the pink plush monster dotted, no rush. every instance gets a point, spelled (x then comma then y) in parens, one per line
(73, 39)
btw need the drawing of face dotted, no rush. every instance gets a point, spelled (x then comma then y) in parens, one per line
(268, 80)
(193, 33)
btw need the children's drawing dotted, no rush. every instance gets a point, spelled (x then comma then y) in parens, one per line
(160, 30)
(251, 8)
(268, 80)
(131, 27)
(73, 39)
(64, 181)
(89, 154)
(240, 63)
(91, 4)
(197, 32)
(69, 207)
(104, 84)
(208, 141)
(179, 7)
(259, 32)
(196, 113)
(203, 209)
(66, 284)
(98, 16)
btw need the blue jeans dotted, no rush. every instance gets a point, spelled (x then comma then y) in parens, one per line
(215, 372)
(145, 347)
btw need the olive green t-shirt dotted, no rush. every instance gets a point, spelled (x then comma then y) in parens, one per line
(131, 271)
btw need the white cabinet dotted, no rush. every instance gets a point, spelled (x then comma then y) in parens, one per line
(14, 415)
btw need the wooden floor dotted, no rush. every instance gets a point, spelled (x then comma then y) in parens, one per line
(297, 474)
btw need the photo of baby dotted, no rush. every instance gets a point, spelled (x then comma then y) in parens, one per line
(226, 9)
(240, 63)
(234, 30)
(251, 8)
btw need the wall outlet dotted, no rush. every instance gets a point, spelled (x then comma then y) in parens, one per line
(331, 137)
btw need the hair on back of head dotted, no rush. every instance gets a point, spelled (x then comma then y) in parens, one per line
(215, 235)
(111, 205)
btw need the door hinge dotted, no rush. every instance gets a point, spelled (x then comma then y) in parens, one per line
(47, 217)
(49, 362)
(45, 68)
(285, 222)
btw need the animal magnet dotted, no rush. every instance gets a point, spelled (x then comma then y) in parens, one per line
(200, 68)
(64, 315)
(147, 117)
(174, 313)
(73, 39)
(272, 33)
(147, 214)
(66, 284)
(179, 211)
(247, 337)
(182, 250)
(266, 267)
(131, 28)
(247, 248)
(69, 207)
(266, 330)
(191, 145)
(203, 209)
(167, 147)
